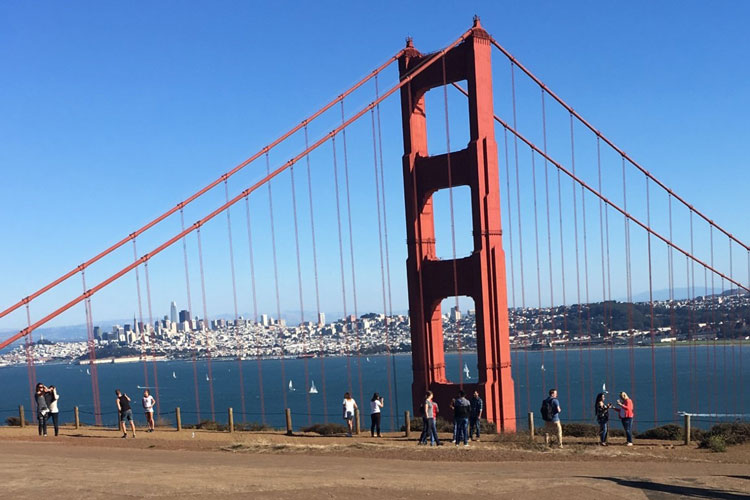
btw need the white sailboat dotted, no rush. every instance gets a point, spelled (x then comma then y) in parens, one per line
(174, 375)
(313, 389)
(207, 379)
(543, 367)
(604, 388)
(466, 371)
(88, 372)
(291, 386)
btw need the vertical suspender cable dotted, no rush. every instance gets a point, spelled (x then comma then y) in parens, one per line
(140, 318)
(564, 301)
(382, 267)
(347, 350)
(387, 253)
(694, 368)
(586, 289)
(578, 272)
(306, 341)
(612, 378)
(605, 323)
(279, 329)
(513, 317)
(629, 284)
(190, 326)
(520, 235)
(549, 243)
(453, 228)
(709, 385)
(258, 350)
(151, 333)
(651, 303)
(30, 368)
(733, 324)
(673, 330)
(205, 327)
(538, 267)
(351, 254)
(237, 334)
(315, 270)
(713, 321)
(92, 355)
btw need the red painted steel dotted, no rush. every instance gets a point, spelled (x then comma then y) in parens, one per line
(482, 274)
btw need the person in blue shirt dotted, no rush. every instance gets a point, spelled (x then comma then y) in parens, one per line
(477, 407)
(553, 425)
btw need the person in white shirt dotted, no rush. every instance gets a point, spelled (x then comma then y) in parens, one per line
(51, 398)
(349, 406)
(376, 404)
(148, 407)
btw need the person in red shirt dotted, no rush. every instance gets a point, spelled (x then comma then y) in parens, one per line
(626, 416)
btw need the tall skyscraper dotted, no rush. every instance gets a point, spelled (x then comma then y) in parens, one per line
(173, 312)
(321, 319)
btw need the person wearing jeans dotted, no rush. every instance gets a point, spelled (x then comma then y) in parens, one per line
(477, 406)
(51, 398)
(626, 416)
(461, 411)
(601, 409)
(42, 410)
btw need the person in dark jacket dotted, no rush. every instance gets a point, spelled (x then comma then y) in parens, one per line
(461, 412)
(601, 409)
(477, 407)
(42, 410)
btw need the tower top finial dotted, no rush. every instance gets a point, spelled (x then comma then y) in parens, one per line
(409, 43)
(477, 24)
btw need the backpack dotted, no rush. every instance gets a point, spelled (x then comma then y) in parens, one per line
(547, 410)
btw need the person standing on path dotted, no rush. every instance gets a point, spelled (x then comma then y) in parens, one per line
(477, 407)
(626, 416)
(349, 406)
(551, 415)
(601, 409)
(51, 397)
(461, 412)
(376, 404)
(42, 410)
(148, 407)
(430, 414)
(126, 413)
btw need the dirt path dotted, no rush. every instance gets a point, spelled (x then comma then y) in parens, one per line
(98, 464)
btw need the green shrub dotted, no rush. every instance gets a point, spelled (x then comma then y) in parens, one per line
(669, 432)
(328, 429)
(579, 430)
(16, 421)
(253, 427)
(730, 434)
(207, 425)
(715, 443)
(443, 425)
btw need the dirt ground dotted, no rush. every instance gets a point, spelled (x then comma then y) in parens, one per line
(97, 463)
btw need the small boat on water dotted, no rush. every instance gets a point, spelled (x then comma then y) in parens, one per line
(466, 371)
(174, 375)
(207, 379)
(291, 387)
(313, 389)
(88, 372)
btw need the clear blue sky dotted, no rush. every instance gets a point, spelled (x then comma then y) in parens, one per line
(112, 113)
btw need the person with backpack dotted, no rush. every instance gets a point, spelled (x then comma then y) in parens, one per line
(477, 406)
(551, 415)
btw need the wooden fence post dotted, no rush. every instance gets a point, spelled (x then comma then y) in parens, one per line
(76, 418)
(230, 418)
(357, 425)
(407, 423)
(687, 429)
(289, 431)
(178, 418)
(21, 416)
(531, 425)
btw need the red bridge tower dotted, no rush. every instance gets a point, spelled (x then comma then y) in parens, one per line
(481, 275)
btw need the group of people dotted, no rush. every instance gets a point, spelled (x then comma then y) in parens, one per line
(551, 411)
(466, 419)
(125, 412)
(46, 398)
(376, 405)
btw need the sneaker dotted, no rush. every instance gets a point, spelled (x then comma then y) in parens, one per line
(466, 445)
(629, 444)
(477, 439)
(124, 436)
(45, 434)
(560, 446)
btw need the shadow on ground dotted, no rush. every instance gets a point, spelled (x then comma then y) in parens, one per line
(660, 490)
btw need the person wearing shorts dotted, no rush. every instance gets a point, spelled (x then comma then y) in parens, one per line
(148, 407)
(125, 411)
(349, 406)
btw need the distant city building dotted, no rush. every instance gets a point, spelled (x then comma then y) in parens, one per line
(97, 333)
(173, 312)
(321, 319)
(455, 314)
(264, 319)
(184, 316)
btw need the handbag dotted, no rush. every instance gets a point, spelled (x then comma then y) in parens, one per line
(44, 412)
